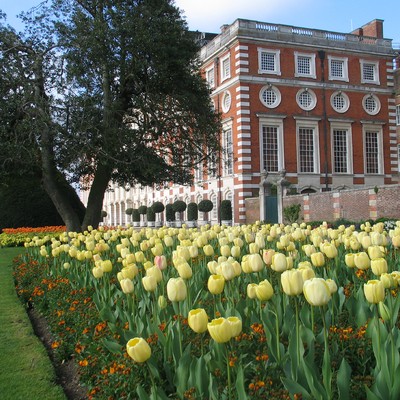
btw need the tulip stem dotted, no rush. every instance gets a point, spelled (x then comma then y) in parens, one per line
(153, 384)
(297, 330)
(379, 334)
(228, 371)
(278, 348)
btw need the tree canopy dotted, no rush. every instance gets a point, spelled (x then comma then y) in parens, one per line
(94, 91)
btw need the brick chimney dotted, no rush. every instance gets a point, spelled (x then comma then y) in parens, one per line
(373, 29)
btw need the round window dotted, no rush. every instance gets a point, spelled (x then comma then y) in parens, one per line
(371, 104)
(226, 102)
(340, 102)
(306, 99)
(270, 96)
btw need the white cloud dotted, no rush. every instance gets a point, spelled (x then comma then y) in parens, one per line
(210, 15)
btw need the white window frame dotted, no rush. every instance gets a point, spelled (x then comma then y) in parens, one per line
(398, 114)
(345, 70)
(225, 73)
(308, 124)
(377, 101)
(375, 80)
(277, 63)
(342, 126)
(198, 171)
(313, 99)
(226, 106)
(277, 94)
(297, 73)
(210, 77)
(398, 158)
(346, 99)
(227, 151)
(276, 123)
(378, 129)
(214, 211)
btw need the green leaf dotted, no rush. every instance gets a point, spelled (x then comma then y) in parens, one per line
(239, 385)
(371, 395)
(142, 393)
(107, 315)
(343, 379)
(293, 387)
(112, 346)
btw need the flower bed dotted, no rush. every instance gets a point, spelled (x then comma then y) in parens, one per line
(12, 237)
(260, 312)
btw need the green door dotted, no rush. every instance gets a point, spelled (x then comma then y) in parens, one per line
(271, 209)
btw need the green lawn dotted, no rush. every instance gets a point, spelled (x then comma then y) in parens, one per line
(25, 369)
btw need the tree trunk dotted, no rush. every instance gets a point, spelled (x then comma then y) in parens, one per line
(96, 197)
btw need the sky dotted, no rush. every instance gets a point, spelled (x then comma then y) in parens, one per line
(330, 15)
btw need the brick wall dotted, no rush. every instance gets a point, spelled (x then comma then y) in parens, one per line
(353, 204)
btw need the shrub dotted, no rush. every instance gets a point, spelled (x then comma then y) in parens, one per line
(142, 210)
(179, 206)
(169, 213)
(226, 210)
(205, 206)
(292, 213)
(103, 214)
(151, 216)
(135, 215)
(192, 212)
(128, 211)
(157, 207)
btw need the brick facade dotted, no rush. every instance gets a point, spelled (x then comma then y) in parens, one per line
(306, 101)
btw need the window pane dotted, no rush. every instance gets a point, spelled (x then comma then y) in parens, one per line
(306, 149)
(340, 151)
(267, 62)
(371, 152)
(369, 72)
(337, 68)
(270, 148)
(304, 65)
(228, 152)
(398, 115)
(226, 68)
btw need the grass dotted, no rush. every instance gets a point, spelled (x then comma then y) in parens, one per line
(25, 369)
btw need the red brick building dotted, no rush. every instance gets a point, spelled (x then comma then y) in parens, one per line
(318, 105)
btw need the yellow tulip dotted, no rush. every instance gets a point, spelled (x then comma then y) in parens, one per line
(379, 266)
(349, 260)
(255, 261)
(162, 302)
(149, 283)
(155, 272)
(208, 250)
(212, 266)
(264, 290)
(138, 349)
(184, 270)
(329, 249)
(225, 250)
(318, 259)
(375, 252)
(251, 290)
(127, 286)
(332, 285)
(361, 260)
(317, 292)
(374, 291)
(216, 284)
(235, 325)
(176, 289)
(220, 330)
(198, 320)
(387, 280)
(279, 262)
(292, 282)
(235, 251)
(97, 272)
(227, 270)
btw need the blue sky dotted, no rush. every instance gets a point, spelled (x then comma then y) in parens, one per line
(330, 15)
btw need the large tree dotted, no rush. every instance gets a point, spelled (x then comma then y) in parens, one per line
(94, 91)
